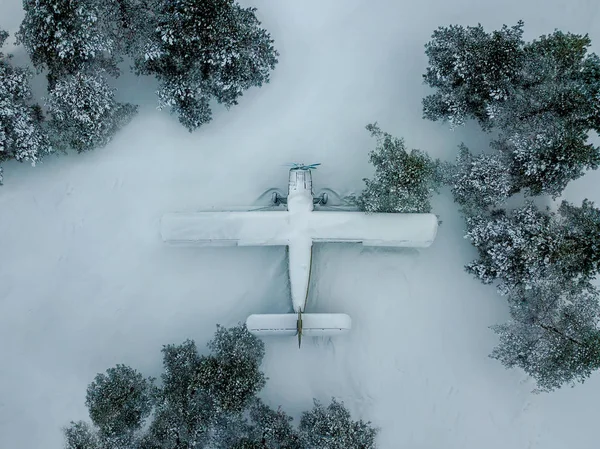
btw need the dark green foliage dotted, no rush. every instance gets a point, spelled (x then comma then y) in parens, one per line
(544, 262)
(65, 36)
(331, 427)
(232, 373)
(470, 69)
(580, 252)
(528, 244)
(272, 428)
(185, 425)
(561, 78)
(236, 343)
(403, 182)
(544, 154)
(205, 50)
(477, 182)
(79, 435)
(204, 401)
(22, 133)
(120, 400)
(543, 97)
(85, 114)
(230, 383)
(553, 334)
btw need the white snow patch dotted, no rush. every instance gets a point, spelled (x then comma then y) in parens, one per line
(86, 281)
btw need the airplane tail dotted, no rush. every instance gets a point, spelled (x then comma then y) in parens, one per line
(301, 324)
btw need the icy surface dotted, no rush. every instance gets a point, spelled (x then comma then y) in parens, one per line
(86, 281)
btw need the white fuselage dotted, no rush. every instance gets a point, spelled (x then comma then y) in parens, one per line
(300, 205)
(298, 228)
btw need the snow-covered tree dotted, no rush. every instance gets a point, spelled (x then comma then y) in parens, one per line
(206, 401)
(120, 400)
(22, 136)
(553, 334)
(80, 435)
(470, 69)
(134, 21)
(231, 375)
(478, 182)
(544, 153)
(525, 245)
(543, 96)
(332, 427)
(403, 181)
(64, 36)
(271, 428)
(85, 114)
(202, 51)
(559, 80)
(516, 248)
(580, 251)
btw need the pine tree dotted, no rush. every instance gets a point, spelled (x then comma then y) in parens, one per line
(553, 334)
(65, 36)
(525, 245)
(22, 136)
(271, 428)
(580, 252)
(183, 411)
(559, 80)
(331, 427)
(120, 400)
(403, 182)
(478, 182)
(206, 401)
(231, 375)
(515, 248)
(543, 97)
(471, 70)
(205, 50)
(85, 114)
(80, 435)
(544, 153)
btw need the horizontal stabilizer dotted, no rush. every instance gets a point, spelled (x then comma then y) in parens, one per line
(313, 324)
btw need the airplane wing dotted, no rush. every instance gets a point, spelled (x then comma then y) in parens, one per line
(248, 228)
(374, 229)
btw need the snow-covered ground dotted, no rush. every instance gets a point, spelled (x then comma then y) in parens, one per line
(86, 282)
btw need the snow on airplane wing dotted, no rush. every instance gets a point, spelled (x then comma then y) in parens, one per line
(313, 324)
(247, 228)
(374, 229)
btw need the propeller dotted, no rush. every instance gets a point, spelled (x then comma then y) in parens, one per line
(301, 166)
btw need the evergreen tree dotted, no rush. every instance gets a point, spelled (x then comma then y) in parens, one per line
(545, 153)
(470, 70)
(80, 435)
(120, 400)
(580, 251)
(191, 408)
(270, 428)
(85, 114)
(22, 136)
(135, 23)
(553, 334)
(205, 50)
(478, 182)
(525, 245)
(64, 36)
(403, 182)
(331, 427)
(559, 81)
(184, 410)
(231, 375)
(516, 248)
